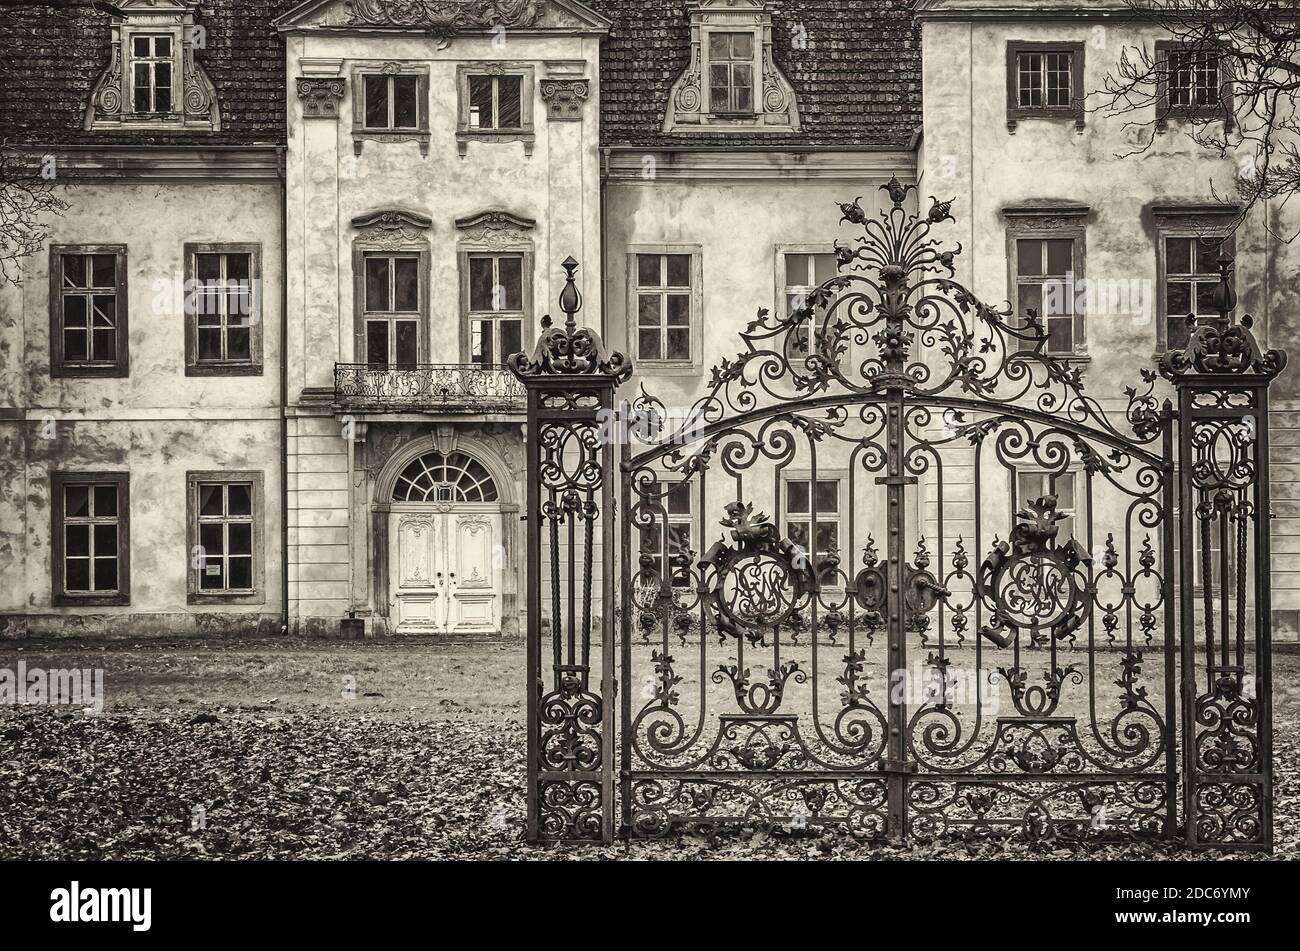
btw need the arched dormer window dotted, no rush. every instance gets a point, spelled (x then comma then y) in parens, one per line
(731, 81)
(153, 80)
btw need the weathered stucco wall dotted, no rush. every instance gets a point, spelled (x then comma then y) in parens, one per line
(556, 183)
(969, 153)
(156, 423)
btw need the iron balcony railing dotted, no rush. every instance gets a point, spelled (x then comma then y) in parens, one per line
(464, 387)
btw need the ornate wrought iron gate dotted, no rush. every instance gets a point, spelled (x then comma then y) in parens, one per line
(895, 573)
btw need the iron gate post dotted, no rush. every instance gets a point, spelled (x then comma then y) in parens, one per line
(570, 380)
(1222, 380)
(896, 386)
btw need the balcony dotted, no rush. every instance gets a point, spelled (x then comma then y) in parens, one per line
(438, 387)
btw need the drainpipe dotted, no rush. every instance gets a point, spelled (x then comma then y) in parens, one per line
(284, 389)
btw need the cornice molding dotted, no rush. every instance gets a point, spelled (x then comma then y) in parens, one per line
(648, 166)
(152, 163)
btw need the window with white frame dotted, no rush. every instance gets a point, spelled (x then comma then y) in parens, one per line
(802, 495)
(663, 307)
(731, 71)
(802, 272)
(1032, 485)
(1046, 276)
(152, 67)
(671, 535)
(1191, 274)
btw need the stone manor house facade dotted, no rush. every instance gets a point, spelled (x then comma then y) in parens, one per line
(255, 379)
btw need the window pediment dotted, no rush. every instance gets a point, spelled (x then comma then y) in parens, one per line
(732, 81)
(153, 80)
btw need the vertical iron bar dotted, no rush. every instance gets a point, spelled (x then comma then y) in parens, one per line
(1169, 595)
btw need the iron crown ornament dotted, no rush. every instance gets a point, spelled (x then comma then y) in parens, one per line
(570, 350)
(1220, 344)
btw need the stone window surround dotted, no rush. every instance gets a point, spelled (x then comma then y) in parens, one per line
(1164, 111)
(689, 109)
(695, 364)
(360, 132)
(122, 365)
(495, 232)
(1045, 222)
(1186, 221)
(111, 104)
(252, 366)
(58, 597)
(1017, 113)
(526, 134)
(194, 594)
(389, 231)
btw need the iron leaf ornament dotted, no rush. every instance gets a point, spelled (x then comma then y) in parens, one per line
(895, 299)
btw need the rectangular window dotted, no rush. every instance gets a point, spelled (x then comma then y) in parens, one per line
(800, 495)
(392, 102)
(223, 297)
(663, 305)
(225, 536)
(1037, 485)
(1193, 77)
(496, 103)
(91, 547)
(1045, 79)
(391, 304)
(1191, 275)
(88, 310)
(731, 72)
(805, 271)
(496, 307)
(671, 535)
(1045, 282)
(151, 74)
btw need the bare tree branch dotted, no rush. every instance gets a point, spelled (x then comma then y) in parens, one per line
(27, 200)
(1256, 46)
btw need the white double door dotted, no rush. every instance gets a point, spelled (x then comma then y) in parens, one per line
(445, 569)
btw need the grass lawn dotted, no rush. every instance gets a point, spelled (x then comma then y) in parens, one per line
(324, 749)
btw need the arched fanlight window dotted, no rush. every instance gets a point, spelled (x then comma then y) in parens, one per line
(445, 478)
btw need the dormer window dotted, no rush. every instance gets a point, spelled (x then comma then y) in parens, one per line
(731, 72)
(153, 80)
(151, 74)
(731, 82)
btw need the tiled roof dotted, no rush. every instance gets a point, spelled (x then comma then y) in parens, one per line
(51, 59)
(857, 79)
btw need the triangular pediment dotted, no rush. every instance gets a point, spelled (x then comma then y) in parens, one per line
(446, 17)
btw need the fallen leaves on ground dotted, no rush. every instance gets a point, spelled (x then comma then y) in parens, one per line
(234, 784)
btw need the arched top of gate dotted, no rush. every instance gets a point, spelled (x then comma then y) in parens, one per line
(917, 331)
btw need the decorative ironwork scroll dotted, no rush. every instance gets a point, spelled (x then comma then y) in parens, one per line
(1222, 378)
(570, 380)
(808, 637)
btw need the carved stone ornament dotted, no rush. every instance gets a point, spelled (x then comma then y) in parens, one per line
(392, 229)
(496, 229)
(320, 96)
(564, 98)
(445, 17)
(570, 350)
